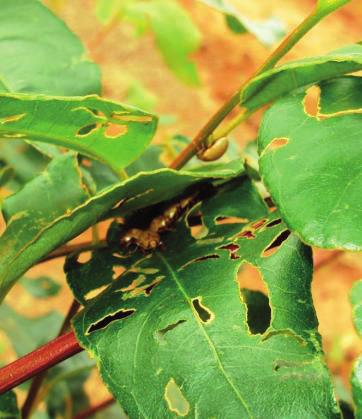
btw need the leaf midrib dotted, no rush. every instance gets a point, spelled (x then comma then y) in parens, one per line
(207, 337)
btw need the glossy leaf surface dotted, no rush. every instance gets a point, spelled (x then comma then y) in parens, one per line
(105, 130)
(40, 54)
(295, 74)
(170, 334)
(310, 162)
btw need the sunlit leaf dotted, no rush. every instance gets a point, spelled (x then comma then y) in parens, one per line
(310, 161)
(98, 128)
(275, 83)
(170, 334)
(40, 54)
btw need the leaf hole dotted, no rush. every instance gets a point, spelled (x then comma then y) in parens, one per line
(230, 220)
(106, 321)
(259, 224)
(232, 248)
(274, 223)
(311, 101)
(203, 313)
(121, 116)
(277, 143)
(255, 296)
(84, 257)
(274, 246)
(114, 131)
(170, 327)
(94, 293)
(88, 130)
(176, 401)
(199, 259)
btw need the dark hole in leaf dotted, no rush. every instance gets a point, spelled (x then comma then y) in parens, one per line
(276, 243)
(170, 327)
(274, 223)
(270, 203)
(150, 288)
(103, 323)
(194, 220)
(232, 249)
(203, 258)
(258, 310)
(247, 234)
(87, 130)
(203, 313)
(347, 410)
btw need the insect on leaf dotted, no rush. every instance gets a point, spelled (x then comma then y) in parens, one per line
(170, 334)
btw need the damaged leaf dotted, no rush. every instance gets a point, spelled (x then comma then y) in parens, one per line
(285, 78)
(98, 128)
(315, 176)
(58, 208)
(186, 349)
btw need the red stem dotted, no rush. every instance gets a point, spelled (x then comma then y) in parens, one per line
(41, 359)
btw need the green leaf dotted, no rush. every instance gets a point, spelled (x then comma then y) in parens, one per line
(32, 212)
(325, 7)
(170, 334)
(275, 83)
(267, 32)
(8, 406)
(41, 287)
(40, 54)
(104, 130)
(51, 217)
(311, 165)
(356, 377)
(175, 34)
(24, 160)
(25, 333)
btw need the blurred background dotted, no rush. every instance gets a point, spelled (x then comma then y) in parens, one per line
(184, 89)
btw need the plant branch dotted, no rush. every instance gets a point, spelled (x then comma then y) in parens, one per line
(203, 136)
(32, 396)
(94, 409)
(72, 248)
(43, 358)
